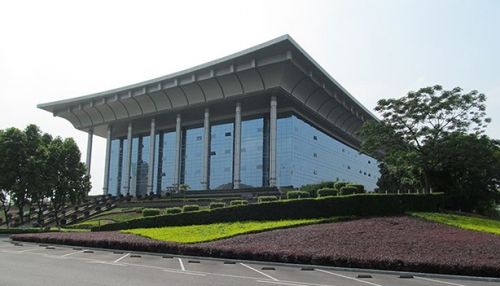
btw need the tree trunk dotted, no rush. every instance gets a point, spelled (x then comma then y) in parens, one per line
(427, 177)
(6, 212)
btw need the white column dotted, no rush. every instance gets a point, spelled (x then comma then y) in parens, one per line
(177, 163)
(89, 150)
(206, 151)
(237, 147)
(152, 138)
(105, 187)
(272, 141)
(129, 160)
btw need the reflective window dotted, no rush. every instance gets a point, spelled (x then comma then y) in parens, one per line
(114, 168)
(166, 172)
(221, 159)
(252, 147)
(307, 155)
(192, 153)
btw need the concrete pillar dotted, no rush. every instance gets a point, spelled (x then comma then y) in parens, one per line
(152, 138)
(237, 147)
(178, 146)
(128, 163)
(89, 150)
(105, 186)
(206, 151)
(272, 140)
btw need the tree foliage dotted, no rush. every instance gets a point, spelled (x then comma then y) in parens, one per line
(432, 139)
(35, 168)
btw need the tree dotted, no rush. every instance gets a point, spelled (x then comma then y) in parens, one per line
(12, 155)
(417, 130)
(67, 177)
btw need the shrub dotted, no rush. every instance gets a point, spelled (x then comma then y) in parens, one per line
(312, 188)
(297, 195)
(174, 210)
(62, 221)
(190, 208)
(139, 196)
(361, 188)
(74, 216)
(86, 213)
(239, 203)
(217, 205)
(325, 192)
(98, 208)
(108, 205)
(138, 210)
(150, 212)
(263, 199)
(348, 190)
(1, 220)
(63, 212)
(76, 208)
(340, 185)
(357, 205)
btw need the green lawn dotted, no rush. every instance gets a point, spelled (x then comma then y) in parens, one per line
(465, 222)
(204, 233)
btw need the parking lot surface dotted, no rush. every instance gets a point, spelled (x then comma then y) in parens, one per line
(41, 264)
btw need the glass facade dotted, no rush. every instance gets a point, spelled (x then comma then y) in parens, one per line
(221, 156)
(252, 153)
(305, 155)
(192, 151)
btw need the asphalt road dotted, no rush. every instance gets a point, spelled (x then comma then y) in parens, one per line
(34, 264)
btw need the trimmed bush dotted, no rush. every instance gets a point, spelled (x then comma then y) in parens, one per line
(62, 221)
(297, 195)
(263, 199)
(150, 212)
(348, 190)
(98, 208)
(356, 205)
(312, 188)
(190, 208)
(339, 185)
(217, 205)
(86, 213)
(174, 210)
(361, 188)
(239, 203)
(325, 192)
(74, 216)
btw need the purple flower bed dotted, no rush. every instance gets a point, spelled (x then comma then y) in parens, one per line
(393, 243)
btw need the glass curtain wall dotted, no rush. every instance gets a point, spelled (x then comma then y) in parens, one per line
(192, 151)
(252, 152)
(221, 156)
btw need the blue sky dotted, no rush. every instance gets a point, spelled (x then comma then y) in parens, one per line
(53, 50)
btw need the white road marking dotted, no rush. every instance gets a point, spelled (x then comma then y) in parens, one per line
(260, 272)
(280, 283)
(30, 249)
(347, 277)
(65, 255)
(439, 281)
(184, 272)
(121, 258)
(182, 265)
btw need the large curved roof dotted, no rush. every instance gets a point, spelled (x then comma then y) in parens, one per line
(278, 65)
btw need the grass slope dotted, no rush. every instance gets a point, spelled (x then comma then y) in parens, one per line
(464, 222)
(211, 232)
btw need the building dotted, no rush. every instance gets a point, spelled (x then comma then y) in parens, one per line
(266, 116)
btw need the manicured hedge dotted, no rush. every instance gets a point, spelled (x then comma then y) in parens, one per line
(190, 208)
(348, 190)
(239, 203)
(217, 205)
(150, 212)
(263, 199)
(355, 205)
(325, 192)
(297, 195)
(173, 210)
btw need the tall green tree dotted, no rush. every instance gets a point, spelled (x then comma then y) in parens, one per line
(67, 177)
(417, 130)
(12, 158)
